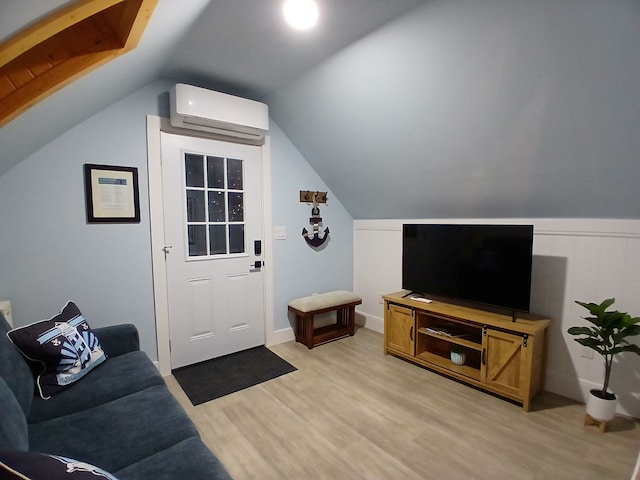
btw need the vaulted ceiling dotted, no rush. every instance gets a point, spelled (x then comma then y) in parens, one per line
(237, 46)
(406, 108)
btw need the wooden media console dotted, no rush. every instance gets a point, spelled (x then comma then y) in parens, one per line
(498, 353)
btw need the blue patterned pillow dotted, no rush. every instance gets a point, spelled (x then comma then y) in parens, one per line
(39, 466)
(60, 350)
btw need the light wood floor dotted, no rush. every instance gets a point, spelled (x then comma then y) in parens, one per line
(350, 412)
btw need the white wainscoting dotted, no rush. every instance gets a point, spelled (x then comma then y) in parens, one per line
(574, 259)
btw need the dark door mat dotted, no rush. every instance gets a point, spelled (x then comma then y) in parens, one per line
(221, 376)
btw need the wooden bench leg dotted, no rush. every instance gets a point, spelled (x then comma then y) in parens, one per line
(304, 330)
(346, 318)
(341, 317)
(308, 325)
(298, 329)
(352, 321)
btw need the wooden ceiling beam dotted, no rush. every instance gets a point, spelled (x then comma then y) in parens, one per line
(50, 26)
(67, 44)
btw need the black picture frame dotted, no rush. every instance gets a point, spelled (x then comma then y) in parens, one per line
(111, 194)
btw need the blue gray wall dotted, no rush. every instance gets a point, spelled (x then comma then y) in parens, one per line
(50, 254)
(300, 270)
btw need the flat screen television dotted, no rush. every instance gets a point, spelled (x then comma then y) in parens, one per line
(484, 264)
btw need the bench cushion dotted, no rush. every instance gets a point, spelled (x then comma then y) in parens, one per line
(323, 300)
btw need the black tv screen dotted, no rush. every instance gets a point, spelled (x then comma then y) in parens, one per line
(487, 264)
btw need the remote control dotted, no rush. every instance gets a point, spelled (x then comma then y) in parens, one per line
(422, 299)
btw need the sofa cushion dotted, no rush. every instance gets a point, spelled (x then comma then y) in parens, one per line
(188, 459)
(118, 433)
(13, 426)
(14, 369)
(120, 376)
(61, 349)
(40, 466)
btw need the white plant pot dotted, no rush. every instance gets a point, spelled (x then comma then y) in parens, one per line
(601, 408)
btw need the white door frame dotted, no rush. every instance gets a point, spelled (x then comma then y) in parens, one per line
(155, 125)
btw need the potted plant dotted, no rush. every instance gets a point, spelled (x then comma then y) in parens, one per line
(607, 335)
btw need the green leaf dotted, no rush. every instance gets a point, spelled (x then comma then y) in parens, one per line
(607, 303)
(634, 320)
(595, 309)
(581, 331)
(597, 321)
(631, 348)
(588, 306)
(631, 330)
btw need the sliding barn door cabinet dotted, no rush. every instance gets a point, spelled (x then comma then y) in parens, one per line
(499, 353)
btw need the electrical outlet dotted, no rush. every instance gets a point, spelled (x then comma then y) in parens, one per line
(587, 353)
(5, 308)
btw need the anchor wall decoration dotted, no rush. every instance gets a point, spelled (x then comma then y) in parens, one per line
(316, 198)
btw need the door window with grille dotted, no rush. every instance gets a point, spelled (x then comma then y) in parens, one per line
(214, 189)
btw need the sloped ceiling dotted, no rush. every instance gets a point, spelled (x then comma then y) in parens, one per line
(236, 46)
(406, 108)
(480, 108)
(244, 46)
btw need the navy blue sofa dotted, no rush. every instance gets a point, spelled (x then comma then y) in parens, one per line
(120, 417)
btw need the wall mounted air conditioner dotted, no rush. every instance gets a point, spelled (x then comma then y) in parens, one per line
(218, 113)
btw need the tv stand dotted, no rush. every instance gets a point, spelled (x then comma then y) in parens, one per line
(498, 353)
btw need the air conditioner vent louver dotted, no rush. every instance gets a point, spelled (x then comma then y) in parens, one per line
(218, 113)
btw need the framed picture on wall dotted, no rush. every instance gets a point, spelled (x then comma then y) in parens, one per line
(111, 194)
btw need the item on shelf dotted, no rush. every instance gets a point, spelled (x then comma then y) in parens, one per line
(458, 357)
(447, 332)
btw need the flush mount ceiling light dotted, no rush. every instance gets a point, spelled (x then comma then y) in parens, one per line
(300, 14)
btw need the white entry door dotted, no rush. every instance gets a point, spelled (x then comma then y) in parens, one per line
(212, 194)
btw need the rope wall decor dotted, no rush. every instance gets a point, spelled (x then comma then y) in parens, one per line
(314, 239)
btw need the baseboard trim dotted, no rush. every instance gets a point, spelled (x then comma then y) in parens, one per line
(371, 322)
(362, 319)
(280, 336)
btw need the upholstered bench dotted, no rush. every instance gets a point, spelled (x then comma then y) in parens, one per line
(305, 308)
